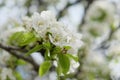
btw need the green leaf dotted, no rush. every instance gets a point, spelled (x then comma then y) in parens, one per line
(21, 62)
(7, 78)
(112, 26)
(44, 68)
(91, 76)
(47, 54)
(73, 57)
(36, 48)
(59, 70)
(64, 62)
(27, 38)
(22, 38)
(18, 75)
(15, 37)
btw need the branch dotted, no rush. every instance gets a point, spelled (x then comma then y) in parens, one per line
(40, 2)
(13, 52)
(60, 13)
(109, 37)
(85, 12)
(13, 48)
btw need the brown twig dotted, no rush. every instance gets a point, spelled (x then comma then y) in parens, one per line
(109, 37)
(60, 13)
(85, 12)
(13, 52)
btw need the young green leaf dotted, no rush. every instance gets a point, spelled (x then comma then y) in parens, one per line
(21, 62)
(112, 26)
(75, 58)
(36, 48)
(17, 75)
(47, 54)
(59, 70)
(64, 62)
(7, 78)
(22, 38)
(27, 38)
(14, 38)
(44, 68)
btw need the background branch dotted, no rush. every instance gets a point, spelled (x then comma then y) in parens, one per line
(60, 13)
(103, 44)
(13, 52)
(89, 2)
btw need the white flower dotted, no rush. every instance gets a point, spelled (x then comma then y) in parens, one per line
(40, 22)
(59, 35)
(95, 62)
(4, 57)
(101, 9)
(74, 66)
(7, 73)
(114, 49)
(114, 66)
(96, 58)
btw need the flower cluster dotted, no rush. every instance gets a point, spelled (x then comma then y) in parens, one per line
(99, 22)
(47, 27)
(7, 74)
(103, 12)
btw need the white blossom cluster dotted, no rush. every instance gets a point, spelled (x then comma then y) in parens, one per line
(7, 73)
(59, 34)
(4, 57)
(103, 9)
(114, 49)
(99, 18)
(114, 64)
(94, 64)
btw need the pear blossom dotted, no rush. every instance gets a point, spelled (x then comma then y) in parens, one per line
(4, 57)
(114, 49)
(93, 63)
(114, 66)
(6, 72)
(103, 10)
(59, 35)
